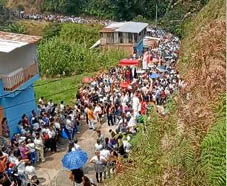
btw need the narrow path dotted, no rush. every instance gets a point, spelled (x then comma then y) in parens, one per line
(52, 170)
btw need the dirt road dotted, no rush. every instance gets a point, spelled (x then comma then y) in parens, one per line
(52, 173)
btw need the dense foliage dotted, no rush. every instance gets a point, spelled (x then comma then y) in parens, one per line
(67, 51)
(111, 9)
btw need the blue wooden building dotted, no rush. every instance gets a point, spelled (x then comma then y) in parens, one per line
(18, 73)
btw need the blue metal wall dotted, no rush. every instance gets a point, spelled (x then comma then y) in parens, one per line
(22, 101)
(139, 47)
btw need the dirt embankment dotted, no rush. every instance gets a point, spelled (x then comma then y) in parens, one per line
(203, 55)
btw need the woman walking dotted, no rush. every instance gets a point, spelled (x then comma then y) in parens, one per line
(99, 162)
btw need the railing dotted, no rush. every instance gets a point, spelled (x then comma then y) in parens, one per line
(18, 77)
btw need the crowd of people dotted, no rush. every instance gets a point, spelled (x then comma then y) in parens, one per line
(61, 18)
(122, 96)
(119, 97)
(37, 135)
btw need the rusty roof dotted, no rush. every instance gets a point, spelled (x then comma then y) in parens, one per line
(11, 41)
(19, 37)
(107, 30)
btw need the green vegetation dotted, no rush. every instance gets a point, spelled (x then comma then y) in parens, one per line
(59, 89)
(188, 145)
(67, 52)
(62, 6)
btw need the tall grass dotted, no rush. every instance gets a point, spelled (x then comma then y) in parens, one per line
(68, 52)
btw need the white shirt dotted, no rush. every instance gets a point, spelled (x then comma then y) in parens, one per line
(97, 110)
(135, 103)
(38, 142)
(31, 147)
(98, 147)
(51, 133)
(98, 161)
(76, 146)
(105, 153)
(126, 145)
(30, 171)
(57, 125)
(62, 107)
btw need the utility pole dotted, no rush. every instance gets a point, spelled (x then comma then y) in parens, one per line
(156, 15)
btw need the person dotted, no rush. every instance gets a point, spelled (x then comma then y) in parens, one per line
(52, 139)
(76, 146)
(76, 175)
(3, 165)
(98, 113)
(98, 145)
(4, 130)
(87, 182)
(62, 106)
(32, 153)
(106, 154)
(30, 172)
(39, 146)
(135, 104)
(91, 118)
(24, 151)
(110, 114)
(98, 164)
(101, 137)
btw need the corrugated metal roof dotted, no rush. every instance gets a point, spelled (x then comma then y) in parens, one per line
(11, 41)
(130, 27)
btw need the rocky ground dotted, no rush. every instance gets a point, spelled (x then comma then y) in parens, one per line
(51, 172)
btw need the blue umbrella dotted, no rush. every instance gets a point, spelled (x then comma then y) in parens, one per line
(154, 76)
(74, 159)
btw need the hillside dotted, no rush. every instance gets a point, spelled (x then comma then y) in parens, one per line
(187, 147)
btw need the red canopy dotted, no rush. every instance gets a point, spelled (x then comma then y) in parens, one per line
(129, 62)
(124, 84)
(87, 79)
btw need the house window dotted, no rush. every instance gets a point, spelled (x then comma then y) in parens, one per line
(130, 37)
(120, 35)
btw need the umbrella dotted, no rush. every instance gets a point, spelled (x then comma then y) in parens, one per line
(124, 84)
(129, 62)
(154, 76)
(74, 159)
(87, 80)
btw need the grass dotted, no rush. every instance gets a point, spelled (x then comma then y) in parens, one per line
(59, 89)
(36, 28)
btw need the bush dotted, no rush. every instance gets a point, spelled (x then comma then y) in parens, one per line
(17, 28)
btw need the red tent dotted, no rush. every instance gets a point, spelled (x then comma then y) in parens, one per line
(129, 62)
(87, 80)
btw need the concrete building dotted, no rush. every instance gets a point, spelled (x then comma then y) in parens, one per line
(124, 35)
(18, 72)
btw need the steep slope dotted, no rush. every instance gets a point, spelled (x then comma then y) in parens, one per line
(187, 147)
